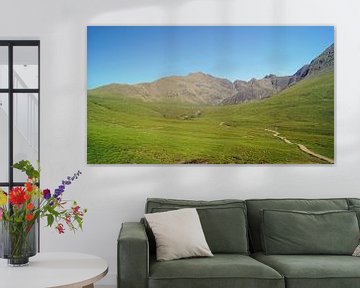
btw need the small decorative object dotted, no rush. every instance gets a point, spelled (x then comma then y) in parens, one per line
(23, 206)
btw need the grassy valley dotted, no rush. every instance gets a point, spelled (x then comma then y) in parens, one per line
(127, 130)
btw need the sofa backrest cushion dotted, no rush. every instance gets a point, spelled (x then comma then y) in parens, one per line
(255, 206)
(353, 201)
(223, 221)
(300, 233)
(354, 205)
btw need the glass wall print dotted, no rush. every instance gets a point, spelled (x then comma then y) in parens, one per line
(210, 95)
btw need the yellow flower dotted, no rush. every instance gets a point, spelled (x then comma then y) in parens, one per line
(3, 198)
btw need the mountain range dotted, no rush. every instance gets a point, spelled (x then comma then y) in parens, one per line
(201, 88)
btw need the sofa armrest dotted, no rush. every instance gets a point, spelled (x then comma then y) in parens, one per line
(133, 256)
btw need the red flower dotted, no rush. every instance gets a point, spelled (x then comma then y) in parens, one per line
(68, 219)
(29, 206)
(60, 228)
(29, 186)
(29, 217)
(17, 196)
(75, 209)
(27, 196)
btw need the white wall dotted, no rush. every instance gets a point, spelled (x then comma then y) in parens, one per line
(114, 194)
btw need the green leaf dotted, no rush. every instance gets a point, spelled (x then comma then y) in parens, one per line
(50, 219)
(79, 221)
(26, 167)
(52, 211)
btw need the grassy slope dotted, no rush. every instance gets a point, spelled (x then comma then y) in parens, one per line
(125, 130)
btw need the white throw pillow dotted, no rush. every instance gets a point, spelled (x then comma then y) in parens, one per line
(357, 251)
(178, 234)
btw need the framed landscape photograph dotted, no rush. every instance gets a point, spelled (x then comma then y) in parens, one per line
(210, 94)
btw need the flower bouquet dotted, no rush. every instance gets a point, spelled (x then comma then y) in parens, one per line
(21, 208)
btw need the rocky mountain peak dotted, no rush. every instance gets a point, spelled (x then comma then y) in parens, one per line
(270, 76)
(323, 62)
(200, 87)
(272, 84)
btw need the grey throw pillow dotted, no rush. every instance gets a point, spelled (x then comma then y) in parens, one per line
(357, 251)
(178, 234)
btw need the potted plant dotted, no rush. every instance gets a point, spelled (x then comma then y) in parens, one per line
(21, 208)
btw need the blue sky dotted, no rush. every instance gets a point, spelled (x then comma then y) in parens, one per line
(134, 54)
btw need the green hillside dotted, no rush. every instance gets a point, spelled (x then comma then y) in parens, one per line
(124, 130)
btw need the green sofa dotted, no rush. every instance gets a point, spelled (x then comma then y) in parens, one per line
(233, 231)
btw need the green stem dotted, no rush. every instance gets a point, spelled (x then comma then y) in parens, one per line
(18, 237)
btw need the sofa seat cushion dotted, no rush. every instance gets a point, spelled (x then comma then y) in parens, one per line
(314, 271)
(222, 270)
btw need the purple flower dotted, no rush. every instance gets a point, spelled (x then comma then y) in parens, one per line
(58, 192)
(64, 183)
(46, 194)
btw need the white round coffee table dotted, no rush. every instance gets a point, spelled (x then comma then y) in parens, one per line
(60, 270)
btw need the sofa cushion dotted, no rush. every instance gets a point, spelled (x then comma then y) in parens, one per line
(354, 205)
(222, 270)
(255, 206)
(356, 209)
(224, 222)
(178, 234)
(314, 271)
(353, 201)
(297, 232)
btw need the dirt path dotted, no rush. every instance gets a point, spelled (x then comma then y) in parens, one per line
(301, 147)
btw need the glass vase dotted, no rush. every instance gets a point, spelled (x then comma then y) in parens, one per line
(18, 242)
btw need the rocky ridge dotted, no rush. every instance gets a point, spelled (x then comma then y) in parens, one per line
(201, 88)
